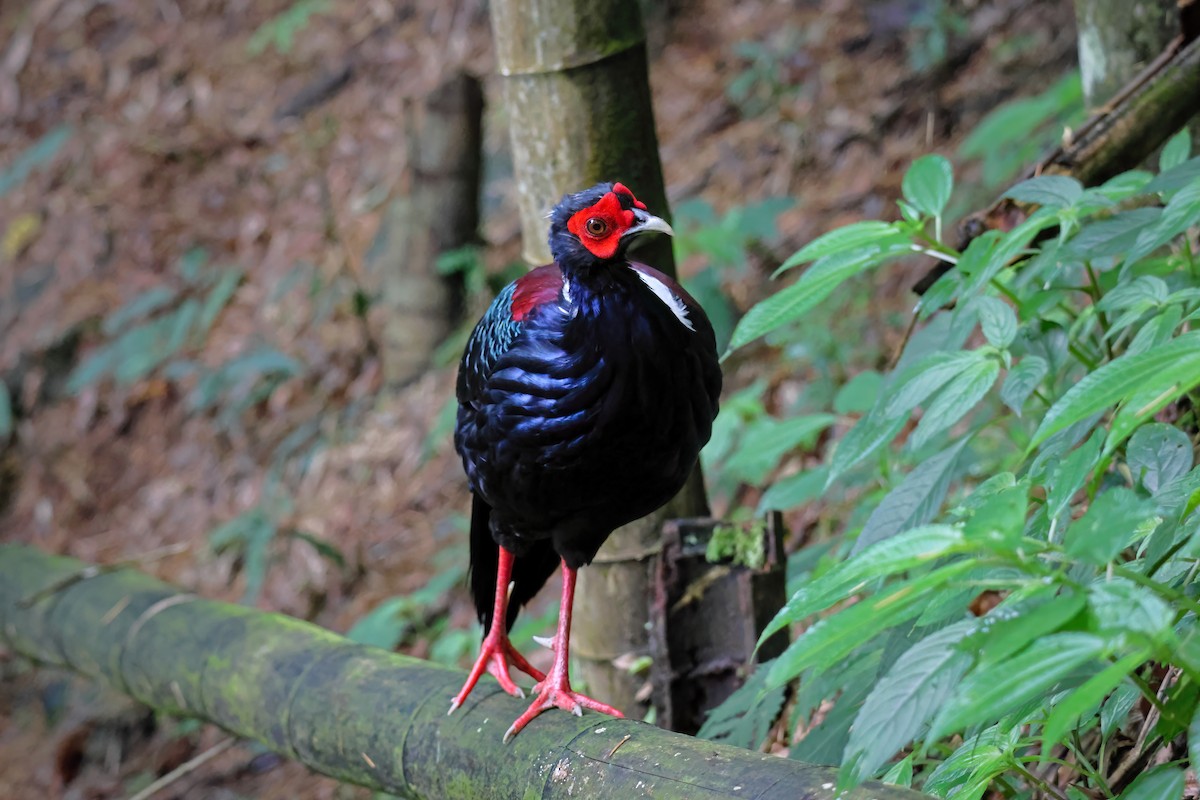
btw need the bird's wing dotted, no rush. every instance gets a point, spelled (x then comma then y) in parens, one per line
(501, 324)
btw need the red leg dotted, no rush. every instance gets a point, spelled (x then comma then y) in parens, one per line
(555, 690)
(497, 651)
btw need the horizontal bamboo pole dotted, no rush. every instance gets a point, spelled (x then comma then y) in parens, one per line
(357, 713)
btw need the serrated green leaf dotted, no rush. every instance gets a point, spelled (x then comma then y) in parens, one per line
(1022, 381)
(1051, 191)
(928, 183)
(1122, 606)
(1113, 236)
(746, 716)
(997, 253)
(1067, 474)
(840, 240)
(1175, 151)
(955, 401)
(817, 283)
(1193, 737)
(1088, 696)
(999, 521)
(904, 699)
(966, 773)
(900, 773)
(1176, 363)
(914, 501)
(1108, 525)
(998, 321)
(1161, 783)
(1175, 178)
(1117, 707)
(1013, 625)
(996, 688)
(1182, 211)
(923, 379)
(1158, 454)
(1141, 406)
(1144, 291)
(1156, 331)
(868, 435)
(900, 553)
(830, 640)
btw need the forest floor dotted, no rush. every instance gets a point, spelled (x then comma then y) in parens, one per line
(171, 138)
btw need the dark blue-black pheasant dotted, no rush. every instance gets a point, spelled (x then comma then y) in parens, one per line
(585, 394)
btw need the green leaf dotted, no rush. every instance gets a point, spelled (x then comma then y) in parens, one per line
(868, 435)
(996, 252)
(1122, 606)
(1158, 454)
(1175, 151)
(1088, 697)
(816, 284)
(1175, 178)
(900, 773)
(1067, 474)
(746, 716)
(384, 626)
(1174, 364)
(794, 490)
(1108, 525)
(218, 297)
(967, 772)
(1181, 213)
(1143, 292)
(928, 183)
(1113, 236)
(900, 553)
(1051, 191)
(144, 304)
(955, 401)
(37, 154)
(905, 699)
(1022, 381)
(830, 640)
(1116, 709)
(767, 440)
(1161, 783)
(998, 321)
(1000, 520)
(924, 378)
(1193, 738)
(1012, 626)
(839, 240)
(994, 689)
(7, 423)
(859, 394)
(914, 501)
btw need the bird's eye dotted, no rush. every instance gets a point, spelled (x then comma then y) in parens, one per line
(597, 226)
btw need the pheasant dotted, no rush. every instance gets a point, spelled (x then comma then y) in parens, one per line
(585, 394)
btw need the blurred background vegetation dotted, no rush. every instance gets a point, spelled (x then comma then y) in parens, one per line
(194, 338)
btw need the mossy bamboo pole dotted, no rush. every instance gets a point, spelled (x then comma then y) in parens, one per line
(578, 100)
(357, 713)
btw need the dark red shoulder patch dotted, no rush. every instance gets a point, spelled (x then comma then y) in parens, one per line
(541, 285)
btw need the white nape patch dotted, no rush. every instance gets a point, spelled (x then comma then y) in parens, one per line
(667, 296)
(566, 290)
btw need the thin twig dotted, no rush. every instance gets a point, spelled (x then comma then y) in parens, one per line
(185, 768)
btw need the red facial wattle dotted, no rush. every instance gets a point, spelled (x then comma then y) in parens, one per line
(599, 227)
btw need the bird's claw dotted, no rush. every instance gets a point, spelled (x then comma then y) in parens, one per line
(496, 656)
(551, 693)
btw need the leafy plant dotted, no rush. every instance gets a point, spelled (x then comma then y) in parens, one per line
(280, 31)
(1025, 571)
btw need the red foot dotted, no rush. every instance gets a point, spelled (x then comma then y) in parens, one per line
(556, 691)
(496, 654)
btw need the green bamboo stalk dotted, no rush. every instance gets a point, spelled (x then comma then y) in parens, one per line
(357, 713)
(579, 109)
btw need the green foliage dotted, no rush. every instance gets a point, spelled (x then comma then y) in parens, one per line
(1010, 456)
(762, 82)
(742, 545)
(280, 31)
(37, 154)
(1014, 134)
(931, 29)
(7, 420)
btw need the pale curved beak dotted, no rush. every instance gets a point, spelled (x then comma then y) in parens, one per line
(645, 221)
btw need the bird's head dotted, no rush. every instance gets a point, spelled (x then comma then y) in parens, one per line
(597, 225)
